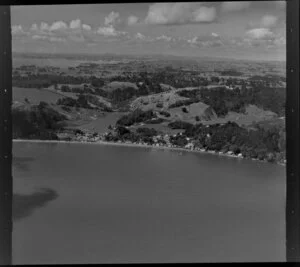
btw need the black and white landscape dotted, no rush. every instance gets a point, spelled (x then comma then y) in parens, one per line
(149, 132)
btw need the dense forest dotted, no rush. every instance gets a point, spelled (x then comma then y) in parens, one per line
(223, 100)
(39, 122)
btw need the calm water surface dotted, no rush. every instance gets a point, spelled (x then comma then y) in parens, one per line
(84, 203)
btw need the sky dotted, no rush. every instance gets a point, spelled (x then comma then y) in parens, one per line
(240, 30)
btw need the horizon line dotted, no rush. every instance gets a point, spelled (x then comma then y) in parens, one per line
(146, 55)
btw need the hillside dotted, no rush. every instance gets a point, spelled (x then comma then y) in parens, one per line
(156, 101)
(112, 86)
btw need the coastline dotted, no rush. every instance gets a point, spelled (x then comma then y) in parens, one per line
(137, 145)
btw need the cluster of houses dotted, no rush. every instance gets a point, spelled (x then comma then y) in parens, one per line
(158, 140)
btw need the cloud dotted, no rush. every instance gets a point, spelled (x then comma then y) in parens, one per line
(205, 41)
(132, 20)
(280, 41)
(79, 38)
(260, 33)
(179, 13)
(164, 38)
(34, 27)
(60, 31)
(140, 36)
(204, 14)
(58, 25)
(280, 4)
(39, 37)
(17, 30)
(214, 34)
(78, 25)
(86, 27)
(112, 18)
(234, 6)
(48, 38)
(268, 21)
(56, 39)
(109, 31)
(75, 24)
(44, 26)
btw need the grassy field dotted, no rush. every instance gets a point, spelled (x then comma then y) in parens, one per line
(101, 123)
(35, 95)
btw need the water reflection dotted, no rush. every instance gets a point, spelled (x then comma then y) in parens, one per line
(24, 205)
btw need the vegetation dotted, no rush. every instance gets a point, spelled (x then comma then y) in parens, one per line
(231, 73)
(40, 122)
(223, 100)
(81, 102)
(165, 113)
(181, 103)
(260, 143)
(136, 116)
(180, 125)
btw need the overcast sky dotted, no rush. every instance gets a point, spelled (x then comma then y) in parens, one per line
(240, 30)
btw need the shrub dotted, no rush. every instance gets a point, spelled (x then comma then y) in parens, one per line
(180, 125)
(184, 110)
(135, 117)
(165, 113)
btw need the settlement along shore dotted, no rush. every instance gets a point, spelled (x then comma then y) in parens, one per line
(142, 145)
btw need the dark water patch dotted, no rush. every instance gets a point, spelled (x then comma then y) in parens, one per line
(24, 205)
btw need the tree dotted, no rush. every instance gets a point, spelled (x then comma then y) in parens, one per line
(184, 110)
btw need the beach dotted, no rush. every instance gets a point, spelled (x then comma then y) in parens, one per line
(138, 145)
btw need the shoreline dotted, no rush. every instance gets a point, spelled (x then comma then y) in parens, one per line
(138, 145)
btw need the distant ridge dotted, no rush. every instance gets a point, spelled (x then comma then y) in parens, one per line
(93, 57)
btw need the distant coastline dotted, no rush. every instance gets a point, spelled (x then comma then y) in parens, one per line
(136, 145)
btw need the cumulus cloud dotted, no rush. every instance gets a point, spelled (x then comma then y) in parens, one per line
(234, 6)
(280, 41)
(164, 38)
(204, 14)
(86, 27)
(78, 25)
(179, 13)
(112, 18)
(75, 24)
(48, 38)
(109, 31)
(140, 36)
(17, 30)
(34, 27)
(132, 20)
(268, 21)
(58, 25)
(44, 26)
(60, 31)
(280, 4)
(260, 33)
(205, 41)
